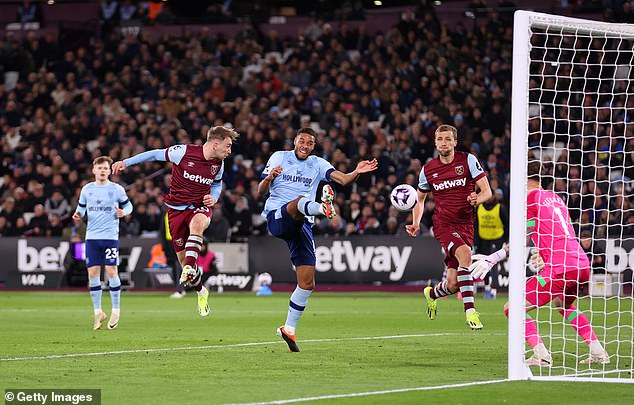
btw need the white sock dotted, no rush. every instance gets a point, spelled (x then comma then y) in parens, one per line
(595, 347)
(541, 351)
(116, 311)
(289, 329)
(202, 291)
(98, 311)
(470, 311)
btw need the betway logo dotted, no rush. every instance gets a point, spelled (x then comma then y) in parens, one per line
(450, 184)
(48, 258)
(197, 178)
(341, 256)
(228, 280)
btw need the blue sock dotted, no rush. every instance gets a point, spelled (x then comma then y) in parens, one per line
(308, 207)
(115, 292)
(95, 292)
(296, 306)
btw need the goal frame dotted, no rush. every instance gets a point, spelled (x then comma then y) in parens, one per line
(523, 21)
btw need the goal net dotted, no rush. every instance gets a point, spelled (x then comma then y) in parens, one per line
(573, 112)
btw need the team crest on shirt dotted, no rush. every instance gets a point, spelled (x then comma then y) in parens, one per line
(179, 242)
(459, 170)
(456, 234)
(98, 202)
(214, 170)
(190, 164)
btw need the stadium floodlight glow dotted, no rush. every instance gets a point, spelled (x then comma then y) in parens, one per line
(571, 90)
(437, 3)
(50, 2)
(378, 3)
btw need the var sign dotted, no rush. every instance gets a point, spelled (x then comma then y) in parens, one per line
(35, 279)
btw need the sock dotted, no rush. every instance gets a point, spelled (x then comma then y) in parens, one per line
(296, 306)
(197, 281)
(465, 283)
(192, 248)
(596, 348)
(531, 335)
(95, 293)
(580, 323)
(308, 207)
(440, 290)
(202, 290)
(115, 292)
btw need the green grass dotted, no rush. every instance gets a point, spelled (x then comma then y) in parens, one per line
(56, 323)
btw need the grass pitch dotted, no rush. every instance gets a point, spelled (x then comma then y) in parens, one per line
(163, 352)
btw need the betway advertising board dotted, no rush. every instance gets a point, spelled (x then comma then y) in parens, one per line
(355, 259)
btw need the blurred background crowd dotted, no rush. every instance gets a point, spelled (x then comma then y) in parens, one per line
(369, 95)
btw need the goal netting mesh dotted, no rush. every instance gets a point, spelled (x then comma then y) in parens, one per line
(579, 120)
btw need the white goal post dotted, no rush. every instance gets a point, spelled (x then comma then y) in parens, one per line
(573, 88)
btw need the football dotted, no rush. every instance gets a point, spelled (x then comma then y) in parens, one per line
(404, 197)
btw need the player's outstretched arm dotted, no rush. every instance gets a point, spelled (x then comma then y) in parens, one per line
(417, 215)
(148, 156)
(365, 166)
(482, 264)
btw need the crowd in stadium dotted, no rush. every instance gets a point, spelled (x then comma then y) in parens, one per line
(367, 96)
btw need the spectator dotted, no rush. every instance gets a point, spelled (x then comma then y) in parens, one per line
(57, 204)
(39, 223)
(55, 227)
(28, 12)
(219, 229)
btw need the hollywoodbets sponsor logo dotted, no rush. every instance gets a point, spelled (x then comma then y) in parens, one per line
(297, 179)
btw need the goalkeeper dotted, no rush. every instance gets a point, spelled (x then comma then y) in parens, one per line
(563, 266)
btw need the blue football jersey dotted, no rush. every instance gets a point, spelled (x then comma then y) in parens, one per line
(100, 202)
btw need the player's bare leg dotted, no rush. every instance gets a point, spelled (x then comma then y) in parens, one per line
(192, 274)
(115, 295)
(94, 283)
(305, 286)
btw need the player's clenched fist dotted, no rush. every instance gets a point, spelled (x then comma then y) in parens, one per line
(276, 171)
(118, 167)
(472, 198)
(209, 200)
(412, 230)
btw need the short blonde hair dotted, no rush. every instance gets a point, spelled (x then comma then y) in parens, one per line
(220, 133)
(447, 128)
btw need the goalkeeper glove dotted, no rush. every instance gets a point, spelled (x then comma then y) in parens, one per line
(482, 264)
(536, 262)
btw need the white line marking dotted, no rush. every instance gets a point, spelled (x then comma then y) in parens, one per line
(172, 349)
(363, 394)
